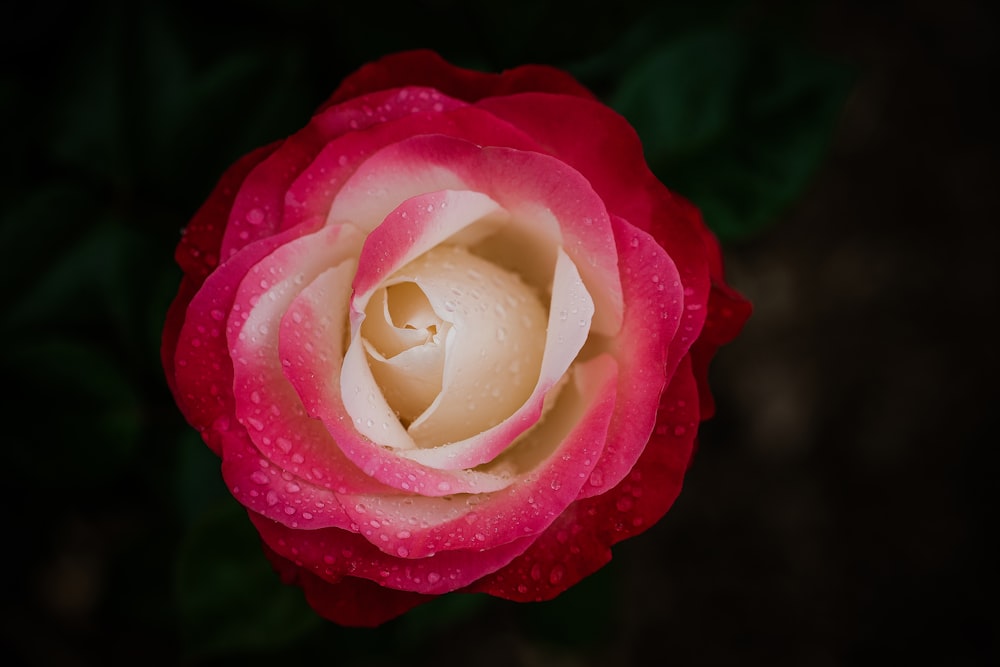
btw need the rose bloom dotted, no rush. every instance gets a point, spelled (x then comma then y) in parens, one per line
(453, 335)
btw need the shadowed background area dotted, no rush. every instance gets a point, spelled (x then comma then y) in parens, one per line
(837, 510)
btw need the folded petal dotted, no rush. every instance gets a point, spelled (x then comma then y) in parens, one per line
(332, 554)
(578, 543)
(548, 466)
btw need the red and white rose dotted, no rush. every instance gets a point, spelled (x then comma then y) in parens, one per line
(451, 335)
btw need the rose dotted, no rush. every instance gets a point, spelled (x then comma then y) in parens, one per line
(451, 335)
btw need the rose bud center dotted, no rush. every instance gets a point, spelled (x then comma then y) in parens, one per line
(455, 344)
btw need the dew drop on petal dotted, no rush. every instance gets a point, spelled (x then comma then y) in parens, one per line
(255, 216)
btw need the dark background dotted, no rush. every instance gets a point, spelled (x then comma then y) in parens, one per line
(837, 512)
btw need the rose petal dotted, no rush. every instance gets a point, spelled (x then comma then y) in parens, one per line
(491, 362)
(612, 161)
(276, 493)
(314, 189)
(565, 336)
(578, 543)
(427, 68)
(312, 363)
(654, 308)
(265, 402)
(351, 601)
(203, 369)
(549, 205)
(557, 457)
(259, 206)
(331, 554)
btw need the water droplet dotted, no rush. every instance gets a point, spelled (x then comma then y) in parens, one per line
(624, 504)
(403, 552)
(634, 242)
(556, 575)
(501, 334)
(433, 577)
(259, 477)
(536, 572)
(255, 216)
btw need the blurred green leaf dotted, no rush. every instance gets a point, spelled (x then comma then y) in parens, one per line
(736, 122)
(229, 598)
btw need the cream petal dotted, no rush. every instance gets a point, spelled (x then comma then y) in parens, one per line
(497, 324)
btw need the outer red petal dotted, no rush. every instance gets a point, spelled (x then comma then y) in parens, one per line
(198, 251)
(728, 311)
(427, 68)
(351, 602)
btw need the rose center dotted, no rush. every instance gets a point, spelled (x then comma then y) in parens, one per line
(455, 344)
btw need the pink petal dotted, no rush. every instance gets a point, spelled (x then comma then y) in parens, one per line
(416, 225)
(654, 307)
(578, 543)
(566, 448)
(312, 361)
(267, 489)
(198, 253)
(258, 209)
(266, 403)
(549, 204)
(612, 161)
(313, 191)
(202, 364)
(331, 554)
